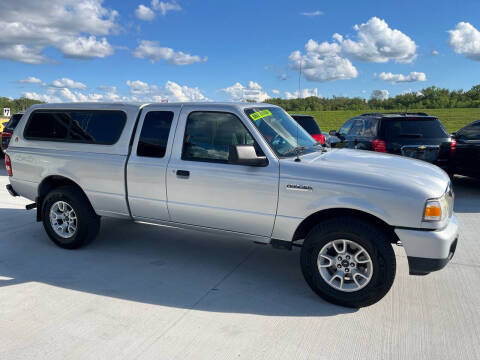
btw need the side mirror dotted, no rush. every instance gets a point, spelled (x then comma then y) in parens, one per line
(332, 133)
(245, 155)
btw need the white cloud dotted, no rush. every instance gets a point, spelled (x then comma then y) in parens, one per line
(31, 80)
(152, 51)
(410, 91)
(110, 93)
(68, 83)
(312, 13)
(400, 78)
(71, 26)
(42, 97)
(138, 91)
(323, 62)
(176, 92)
(435, 53)
(380, 94)
(142, 91)
(275, 91)
(59, 95)
(144, 13)
(165, 6)
(141, 88)
(377, 42)
(465, 40)
(87, 48)
(253, 91)
(305, 93)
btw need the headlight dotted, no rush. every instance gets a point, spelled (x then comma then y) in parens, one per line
(436, 209)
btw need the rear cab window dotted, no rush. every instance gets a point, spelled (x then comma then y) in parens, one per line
(414, 128)
(154, 135)
(102, 127)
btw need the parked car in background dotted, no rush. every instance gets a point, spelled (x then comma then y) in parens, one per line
(3, 121)
(8, 129)
(309, 123)
(466, 157)
(415, 135)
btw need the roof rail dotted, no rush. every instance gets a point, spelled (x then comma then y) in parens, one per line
(370, 114)
(395, 113)
(407, 113)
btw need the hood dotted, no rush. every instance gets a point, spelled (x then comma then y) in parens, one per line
(372, 169)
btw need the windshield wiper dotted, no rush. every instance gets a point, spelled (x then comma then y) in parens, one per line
(297, 150)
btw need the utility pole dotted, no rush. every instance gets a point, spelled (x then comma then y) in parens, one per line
(299, 78)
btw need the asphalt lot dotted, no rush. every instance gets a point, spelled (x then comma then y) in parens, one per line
(148, 292)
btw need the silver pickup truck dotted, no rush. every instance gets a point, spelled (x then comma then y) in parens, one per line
(245, 170)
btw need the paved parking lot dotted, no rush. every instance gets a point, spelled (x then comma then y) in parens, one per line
(148, 292)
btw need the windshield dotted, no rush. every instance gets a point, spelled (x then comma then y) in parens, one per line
(281, 132)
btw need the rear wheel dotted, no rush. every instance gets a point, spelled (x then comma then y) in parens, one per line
(348, 261)
(68, 218)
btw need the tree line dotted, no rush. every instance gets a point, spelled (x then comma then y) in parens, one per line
(428, 98)
(16, 105)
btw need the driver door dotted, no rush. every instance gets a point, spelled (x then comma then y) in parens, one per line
(203, 189)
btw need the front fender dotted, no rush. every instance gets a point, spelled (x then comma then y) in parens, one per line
(348, 202)
(286, 224)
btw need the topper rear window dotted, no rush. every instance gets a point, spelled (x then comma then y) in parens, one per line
(79, 126)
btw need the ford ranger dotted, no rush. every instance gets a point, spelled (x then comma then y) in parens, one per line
(245, 170)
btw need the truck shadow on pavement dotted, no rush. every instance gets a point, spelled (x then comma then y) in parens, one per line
(162, 266)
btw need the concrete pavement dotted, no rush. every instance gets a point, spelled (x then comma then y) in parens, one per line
(148, 292)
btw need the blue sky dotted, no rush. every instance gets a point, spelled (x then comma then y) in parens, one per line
(77, 50)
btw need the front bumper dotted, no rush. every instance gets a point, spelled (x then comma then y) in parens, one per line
(429, 250)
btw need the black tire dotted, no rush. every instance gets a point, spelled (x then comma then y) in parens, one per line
(372, 238)
(88, 223)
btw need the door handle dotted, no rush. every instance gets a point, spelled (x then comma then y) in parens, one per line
(183, 173)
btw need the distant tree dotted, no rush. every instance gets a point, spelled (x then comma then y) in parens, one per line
(16, 105)
(428, 98)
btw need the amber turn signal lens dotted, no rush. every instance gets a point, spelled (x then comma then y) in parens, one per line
(433, 212)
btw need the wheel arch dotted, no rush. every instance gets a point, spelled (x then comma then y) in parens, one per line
(312, 220)
(50, 183)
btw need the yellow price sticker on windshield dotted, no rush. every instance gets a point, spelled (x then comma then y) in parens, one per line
(260, 114)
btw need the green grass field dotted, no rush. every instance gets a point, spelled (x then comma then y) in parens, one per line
(452, 119)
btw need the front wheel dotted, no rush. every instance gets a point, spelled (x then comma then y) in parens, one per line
(348, 261)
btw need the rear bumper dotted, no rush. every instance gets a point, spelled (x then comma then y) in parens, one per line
(10, 190)
(429, 251)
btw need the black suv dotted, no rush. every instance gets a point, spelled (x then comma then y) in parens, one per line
(466, 158)
(416, 135)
